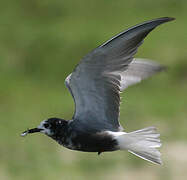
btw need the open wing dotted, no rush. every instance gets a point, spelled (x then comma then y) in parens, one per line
(95, 83)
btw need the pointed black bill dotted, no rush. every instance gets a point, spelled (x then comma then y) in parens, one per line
(29, 131)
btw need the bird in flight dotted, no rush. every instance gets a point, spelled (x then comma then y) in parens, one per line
(95, 85)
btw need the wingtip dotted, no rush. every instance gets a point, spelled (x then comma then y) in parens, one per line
(164, 19)
(163, 68)
(168, 18)
(171, 18)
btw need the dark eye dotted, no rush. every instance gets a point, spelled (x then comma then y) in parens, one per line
(46, 125)
(58, 122)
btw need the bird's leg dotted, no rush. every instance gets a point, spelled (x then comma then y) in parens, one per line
(99, 152)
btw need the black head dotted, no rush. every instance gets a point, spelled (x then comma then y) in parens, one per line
(51, 127)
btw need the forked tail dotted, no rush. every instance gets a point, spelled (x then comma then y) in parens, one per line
(143, 143)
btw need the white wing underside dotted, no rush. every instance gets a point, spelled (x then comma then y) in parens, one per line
(138, 70)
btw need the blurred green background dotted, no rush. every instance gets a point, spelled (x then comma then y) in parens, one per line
(40, 44)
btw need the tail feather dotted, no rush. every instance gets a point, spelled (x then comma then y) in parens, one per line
(142, 143)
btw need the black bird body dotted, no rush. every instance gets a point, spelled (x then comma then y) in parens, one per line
(66, 134)
(95, 85)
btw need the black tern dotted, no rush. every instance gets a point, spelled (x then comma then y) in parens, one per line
(95, 85)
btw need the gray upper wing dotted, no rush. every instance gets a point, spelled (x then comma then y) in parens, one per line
(95, 82)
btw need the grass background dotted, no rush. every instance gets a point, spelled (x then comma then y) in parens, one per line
(40, 44)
